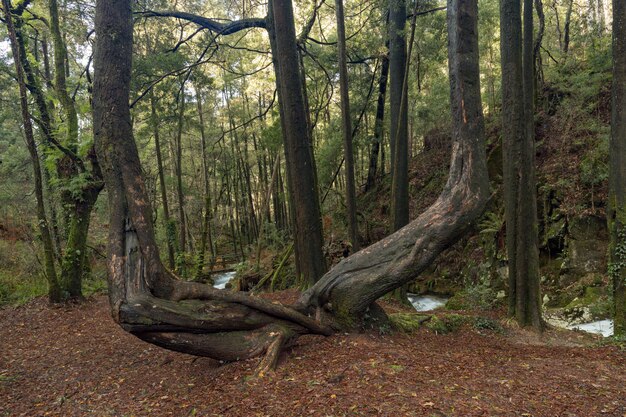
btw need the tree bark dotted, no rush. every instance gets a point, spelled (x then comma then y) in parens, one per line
(346, 124)
(512, 128)
(566, 26)
(170, 231)
(207, 235)
(149, 302)
(301, 182)
(398, 94)
(378, 122)
(518, 162)
(54, 289)
(182, 235)
(528, 308)
(537, 49)
(347, 291)
(617, 165)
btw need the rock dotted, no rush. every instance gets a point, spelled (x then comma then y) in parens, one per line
(587, 244)
(501, 295)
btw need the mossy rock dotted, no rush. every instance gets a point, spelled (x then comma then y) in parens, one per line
(447, 324)
(458, 302)
(591, 295)
(477, 297)
(408, 322)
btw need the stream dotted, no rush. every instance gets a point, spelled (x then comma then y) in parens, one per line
(220, 280)
(603, 327)
(419, 302)
(426, 302)
(432, 302)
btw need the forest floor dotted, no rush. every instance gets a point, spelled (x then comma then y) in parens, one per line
(75, 361)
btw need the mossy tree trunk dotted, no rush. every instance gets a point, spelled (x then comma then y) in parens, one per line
(78, 203)
(54, 290)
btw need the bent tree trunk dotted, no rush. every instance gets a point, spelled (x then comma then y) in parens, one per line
(349, 289)
(152, 303)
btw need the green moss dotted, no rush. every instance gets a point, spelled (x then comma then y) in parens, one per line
(447, 324)
(479, 296)
(591, 295)
(408, 322)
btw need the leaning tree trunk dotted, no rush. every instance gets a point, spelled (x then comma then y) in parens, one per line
(347, 291)
(617, 177)
(155, 305)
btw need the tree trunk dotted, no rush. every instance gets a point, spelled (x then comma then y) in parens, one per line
(74, 262)
(60, 84)
(149, 302)
(303, 192)
(528, 308)
(537, 49)
(617, 178)
(206, 236)
(182, 235)
(170, 230)
(566, 27)
(54, 290)
(379, 122)
(346, 124)
(518, 162)
(512, 127)
(347, 291)
(398, 91)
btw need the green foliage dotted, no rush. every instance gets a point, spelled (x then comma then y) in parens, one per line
(617, 261)
(446, 324)
(475, 295)
(594, 167)
(485, 323)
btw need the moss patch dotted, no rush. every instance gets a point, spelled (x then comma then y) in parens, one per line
(408, 322)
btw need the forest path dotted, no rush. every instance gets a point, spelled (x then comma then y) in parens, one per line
(75, 361)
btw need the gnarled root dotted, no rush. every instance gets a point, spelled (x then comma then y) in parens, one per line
(229, 346)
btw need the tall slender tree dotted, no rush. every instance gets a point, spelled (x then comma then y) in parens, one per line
(346, 124)
(617, 165)
(398, 100)
(519, 162)
(301, 180)
(54, 289)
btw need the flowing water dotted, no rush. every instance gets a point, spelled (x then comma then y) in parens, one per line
(603, 327)
(432, 302)
(220, 280)
(426, 302)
